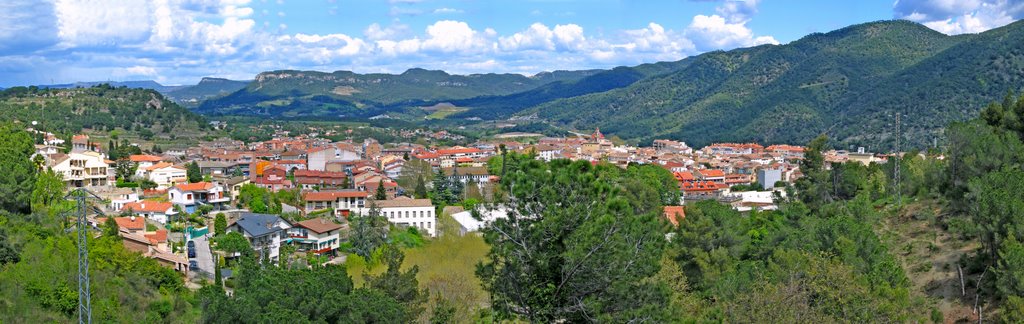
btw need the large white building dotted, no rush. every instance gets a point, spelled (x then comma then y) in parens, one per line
(317, 159)
(165, 174)
(84, 169)
(405, 211)
(468, 223)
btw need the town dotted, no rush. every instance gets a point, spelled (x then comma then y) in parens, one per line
(164, 202)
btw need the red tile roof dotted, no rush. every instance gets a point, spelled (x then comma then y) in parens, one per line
(319, 225)
(144, 158)
(318, 174)
(699, 186)
(711, 173)
(148, 206)
(194, 186)
(462, 150)
(131, 223)
(671, 213)
(157, 237)
(333, 195)
(684, 176)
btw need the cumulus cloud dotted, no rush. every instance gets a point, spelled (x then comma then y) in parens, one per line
(960, 17)
(727, 29)
(178, 41)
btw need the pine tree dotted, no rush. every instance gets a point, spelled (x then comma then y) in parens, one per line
(421, 188)
(194, 173)
(381, 193)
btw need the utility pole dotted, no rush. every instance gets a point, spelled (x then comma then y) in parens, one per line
(84, 306)
(897, 167)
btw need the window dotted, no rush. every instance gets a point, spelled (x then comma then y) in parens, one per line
(188, 197)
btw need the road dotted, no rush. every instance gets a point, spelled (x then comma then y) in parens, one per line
(204, 256)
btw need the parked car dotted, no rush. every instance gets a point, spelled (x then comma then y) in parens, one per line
(191, 252)
(191, 244)
(193, 265)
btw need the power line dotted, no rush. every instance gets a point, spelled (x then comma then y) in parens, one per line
(84, 306)
(897, 164)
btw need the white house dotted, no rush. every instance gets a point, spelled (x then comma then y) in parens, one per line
(342, 202)
(190, 195)
(264, 232)
(142, 162)
(165, 174)
(84, 169)
(317, 159)
(405, 211)
(121, 198)
(156, 211)
(318, 235)
(467, 223)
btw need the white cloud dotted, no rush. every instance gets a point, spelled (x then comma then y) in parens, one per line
(962, 16)
(376, 32)
(102, 22)
(452, 36)
(714, 32)
(447, 11)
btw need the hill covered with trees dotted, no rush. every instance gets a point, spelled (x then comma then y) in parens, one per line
(102, 108)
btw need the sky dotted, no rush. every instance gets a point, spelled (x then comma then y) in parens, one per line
(180, 41)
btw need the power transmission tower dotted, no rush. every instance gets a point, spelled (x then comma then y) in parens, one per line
(84, 306)
(897, 165)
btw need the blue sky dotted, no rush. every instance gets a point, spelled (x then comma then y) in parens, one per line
(180, 41)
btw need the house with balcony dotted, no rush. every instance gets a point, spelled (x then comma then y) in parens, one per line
(265, 233)
(192, 195)
(317, 235)
(342, 202)
(84, 169)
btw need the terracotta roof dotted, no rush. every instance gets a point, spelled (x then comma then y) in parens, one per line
(131, 223)
(333, 195)
(318, 174)
(157, 237)
(194, 186)
(144, 158)
(702, 186)
(683, 176)
(711, 173)
(162, 165)
(403, 202)
(463, 150)
(319, 225)
(148, 206)
(672, 211)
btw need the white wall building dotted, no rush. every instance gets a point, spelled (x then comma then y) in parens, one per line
(317, 235)
(264, 232)
(165, 174)
(189, 196)
(405, 211)
(84, 169)
(317, 159)
(468, 224)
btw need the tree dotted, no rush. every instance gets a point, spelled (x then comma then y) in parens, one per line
(193, 172)
(18, 172)
(232, 243)
(381, 194)
(8, 252)
(443, 313)
(147, 184)
(421, 188)
(1010, 268)
(110, 228)
(585, 260)
(220, 224)
(402, 286)
(125, 169)
(813, 187)
(368, 232)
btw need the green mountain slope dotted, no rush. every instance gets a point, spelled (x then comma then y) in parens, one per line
(101, 108)
(205, 89)
(495, 107)
(786, 93)
(343, 93)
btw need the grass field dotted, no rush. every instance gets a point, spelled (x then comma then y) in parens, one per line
(446, 269)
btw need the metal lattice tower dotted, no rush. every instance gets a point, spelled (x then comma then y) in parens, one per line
(81, 210)
(897, 165)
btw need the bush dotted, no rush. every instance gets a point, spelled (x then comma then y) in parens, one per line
(126, 184)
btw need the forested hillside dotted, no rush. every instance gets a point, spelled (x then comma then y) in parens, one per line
(311, 93)
(841, 82)
(206, 89)
(100, 108)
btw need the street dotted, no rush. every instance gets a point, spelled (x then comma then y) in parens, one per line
(204, 257)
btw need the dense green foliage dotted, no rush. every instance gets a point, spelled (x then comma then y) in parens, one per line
(269, 294)
(344, 93)
(102, 108)
(574, 247)
(19, 172)
(842, 82)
